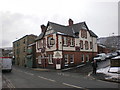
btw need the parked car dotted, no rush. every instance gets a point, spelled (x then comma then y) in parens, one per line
(100, 57)
(114, 54)
(109, 55)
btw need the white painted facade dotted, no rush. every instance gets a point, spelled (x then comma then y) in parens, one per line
(60, 43)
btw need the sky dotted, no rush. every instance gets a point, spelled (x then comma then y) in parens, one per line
(23, 17)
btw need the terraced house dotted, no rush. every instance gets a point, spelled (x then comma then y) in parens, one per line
(60, 46)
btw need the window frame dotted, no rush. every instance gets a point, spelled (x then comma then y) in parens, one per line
(39, 59)
(81, 44)
(86, 45)
(50, 58)
(71, 55)
(82, 58)
(66, 59)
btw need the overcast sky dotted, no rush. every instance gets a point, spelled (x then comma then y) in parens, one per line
(22, 17)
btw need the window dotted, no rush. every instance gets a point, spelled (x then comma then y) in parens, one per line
(39, 59)
(24, 41)
(84, 33)
(72, 41)
(91, 45)
(39, 44)
(49, 41)
(81, 44)
(64, 40)
(50, 59)
(87, 58)
(86, 45)
(82, 58)
(24, 49)
(66, 59)
(44, 43)
(71, 58)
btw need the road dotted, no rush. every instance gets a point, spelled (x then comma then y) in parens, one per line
(22, 77)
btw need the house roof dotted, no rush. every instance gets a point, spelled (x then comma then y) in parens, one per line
(67, 30)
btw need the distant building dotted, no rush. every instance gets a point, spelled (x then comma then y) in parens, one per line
(31, 56)
(20, 47)
(60, 46)
(6, 52)
(112, 42)
(103, 49)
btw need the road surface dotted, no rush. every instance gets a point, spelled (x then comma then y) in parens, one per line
(22, 77)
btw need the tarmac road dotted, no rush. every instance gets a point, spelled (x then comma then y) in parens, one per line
(22, 77)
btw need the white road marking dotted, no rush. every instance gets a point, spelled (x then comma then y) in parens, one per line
(29, 73)
(47, 79)
(63, 74)
(9, 84)
(72, 85)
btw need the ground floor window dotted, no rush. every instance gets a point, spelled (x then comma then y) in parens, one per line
(71, 58)
(82, 57)
(66, 59)
(87, 58)
(39, 59)
(50, 59)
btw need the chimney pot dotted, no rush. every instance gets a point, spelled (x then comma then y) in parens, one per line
(43, 28)
(70, 21)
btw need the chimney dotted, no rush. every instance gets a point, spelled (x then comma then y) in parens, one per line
(70, 21)
(43, 28)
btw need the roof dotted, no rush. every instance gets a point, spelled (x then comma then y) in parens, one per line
(25, 36)
(92, 34)
(67, 30)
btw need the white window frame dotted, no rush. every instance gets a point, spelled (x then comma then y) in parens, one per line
(72, 41)
(50, 59)
(83, 59)
(66, 59)
(87, 56)
(72, 55)
(39, 60)
(49, 42)
(65, 40)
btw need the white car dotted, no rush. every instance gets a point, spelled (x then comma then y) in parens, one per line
(100, 57)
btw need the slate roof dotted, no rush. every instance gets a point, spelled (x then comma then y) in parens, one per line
(67, 30)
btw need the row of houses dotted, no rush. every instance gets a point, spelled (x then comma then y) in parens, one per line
(57, 46)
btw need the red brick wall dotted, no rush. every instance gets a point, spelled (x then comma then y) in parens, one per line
(77, 59)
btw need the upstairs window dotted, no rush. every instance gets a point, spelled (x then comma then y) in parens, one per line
(86, 45)
(65, 40)
(84, 34)
(49, 41)
(39, 44)
(91, 45)
(44, 43)
(72, 41)
(81, 44)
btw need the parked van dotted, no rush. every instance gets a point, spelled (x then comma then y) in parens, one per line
(100, 57)
(6, 63)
